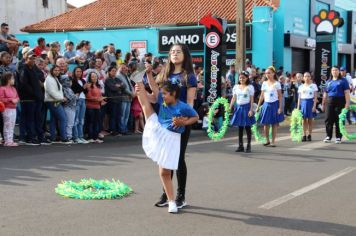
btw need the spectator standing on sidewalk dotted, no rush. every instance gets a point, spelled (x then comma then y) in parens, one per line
(126, 98)
(31, 96)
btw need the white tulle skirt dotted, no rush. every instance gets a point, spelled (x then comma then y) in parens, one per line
(160, 144)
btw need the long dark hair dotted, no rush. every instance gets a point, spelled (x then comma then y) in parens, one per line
(5, 78)
(97, 80)
(52, 69)
(331, 75)
(74, 70)
(171, 88)
(187, 64)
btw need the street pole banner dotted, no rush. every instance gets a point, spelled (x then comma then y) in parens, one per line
(323, 60)
(215, 50)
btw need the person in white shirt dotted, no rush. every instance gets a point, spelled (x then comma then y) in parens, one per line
(242, 101)
(307, 100)
(271, 112)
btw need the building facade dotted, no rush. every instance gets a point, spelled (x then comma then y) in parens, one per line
(280, 36)
(19, 13)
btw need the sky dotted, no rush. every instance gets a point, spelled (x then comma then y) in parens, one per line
(79, 3)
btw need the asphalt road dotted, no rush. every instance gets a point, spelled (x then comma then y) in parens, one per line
(293, 189)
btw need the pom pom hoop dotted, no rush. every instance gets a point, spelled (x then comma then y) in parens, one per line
(89, 189)
(296, 126)
(222, 131)
(342, 119)
(258, 136)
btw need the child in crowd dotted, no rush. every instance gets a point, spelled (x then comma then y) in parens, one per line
(10, 98)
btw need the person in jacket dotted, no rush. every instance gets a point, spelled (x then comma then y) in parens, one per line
(31, 96)
(113, 89)
(54, 97)
(125, 99)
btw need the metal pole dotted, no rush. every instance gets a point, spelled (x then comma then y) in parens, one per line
(240, 35)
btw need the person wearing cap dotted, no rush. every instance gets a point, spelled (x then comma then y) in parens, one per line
(31, 96)
(242, 101)
(271, 112)
(24, 44)
(336, 97)
(7, 42)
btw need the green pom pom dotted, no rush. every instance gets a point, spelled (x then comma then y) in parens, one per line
(89, 189)
(296, 126)
(222, 131)
(342, 119)
(258, 136)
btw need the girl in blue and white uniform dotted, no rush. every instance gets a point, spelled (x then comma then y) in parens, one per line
(162, 134)
(271, 112)
(242, 101)
(307, 100)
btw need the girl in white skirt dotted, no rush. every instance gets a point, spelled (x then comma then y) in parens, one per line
(162, 133)
(307, 99)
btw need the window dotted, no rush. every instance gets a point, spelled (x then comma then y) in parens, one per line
(45, 3)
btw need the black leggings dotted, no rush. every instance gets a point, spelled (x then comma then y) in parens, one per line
(333, 110)
(182, 167)
(241, 134)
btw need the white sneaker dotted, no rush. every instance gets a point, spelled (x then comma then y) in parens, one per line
(172, 207)
(98, 141)
(82, 141)
(338, 140)
(327, 140)
(91, 141)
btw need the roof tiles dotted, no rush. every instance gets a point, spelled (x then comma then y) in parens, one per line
(111, 14)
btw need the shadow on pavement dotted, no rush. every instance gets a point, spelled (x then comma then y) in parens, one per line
(309, 226)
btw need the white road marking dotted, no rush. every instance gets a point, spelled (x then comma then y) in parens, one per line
(235, 138)
(297, 193)
(311, 146)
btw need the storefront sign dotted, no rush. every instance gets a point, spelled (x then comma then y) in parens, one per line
(323, 55)
(141, 46)
(310, 43)
(194, 38)
(214, 52)
(326, 22)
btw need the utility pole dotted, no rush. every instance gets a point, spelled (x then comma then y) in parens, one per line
(240, 35)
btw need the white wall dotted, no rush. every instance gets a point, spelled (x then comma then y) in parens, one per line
(20, 13)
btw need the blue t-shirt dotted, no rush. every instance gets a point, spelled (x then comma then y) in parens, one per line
(168, 112)
(191, 82)
(336, 88)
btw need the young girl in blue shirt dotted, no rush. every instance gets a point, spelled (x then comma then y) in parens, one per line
(162, 134)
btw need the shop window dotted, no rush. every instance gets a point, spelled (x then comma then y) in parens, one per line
(45, 3)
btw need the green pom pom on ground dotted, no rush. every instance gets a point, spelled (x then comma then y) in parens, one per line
(91, 189)
(296, 126)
